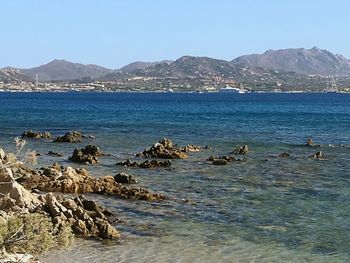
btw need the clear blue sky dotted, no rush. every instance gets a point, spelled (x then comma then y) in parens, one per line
(113, 33)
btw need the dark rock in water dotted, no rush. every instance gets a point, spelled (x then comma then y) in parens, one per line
(70, 137)
(284, 155)
(146, 164)
(88, 136)
(124, 178)
(310, 142)
(190, 148)
(163, 149)
(36, 135)
(318, 155)
(87, 155)
(222, 160)
(56, 154)
(241, 150)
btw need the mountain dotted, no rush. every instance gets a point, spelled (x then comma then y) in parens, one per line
(313, 61)
(141, 65)
(11, 75)
(202, 71)
(60, 70)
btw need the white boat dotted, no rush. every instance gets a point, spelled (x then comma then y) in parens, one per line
(231, 89)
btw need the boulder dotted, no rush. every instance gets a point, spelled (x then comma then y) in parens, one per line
(36, 135)
(70, 137)
(284, 155)
(87, 155)
(310, 142)
(124, 178)
(241, 150)
(221, 160)
(318, 155)
(163, 149)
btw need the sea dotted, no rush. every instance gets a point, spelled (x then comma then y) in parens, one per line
(262, 209)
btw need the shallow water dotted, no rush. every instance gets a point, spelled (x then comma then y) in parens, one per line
(264, 209)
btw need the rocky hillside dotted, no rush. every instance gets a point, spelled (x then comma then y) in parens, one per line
(11, 75)
(141, 65)
(313, 61)
(58, 70)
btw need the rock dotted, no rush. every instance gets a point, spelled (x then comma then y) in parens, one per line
(241, 150)
(190, 148)
(70, 137)
(88, 154)
(310, 142)
(11, 189)
(79, 228)
(56, 154)
(124, 178)
(222, 160)
(318, 155)
(106, 230)
(88, 136)
(79, 181)
(146, 164)
(284, 155)
(163, 149)
(36, 135)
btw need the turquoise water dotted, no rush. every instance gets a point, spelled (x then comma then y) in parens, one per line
(265, 209)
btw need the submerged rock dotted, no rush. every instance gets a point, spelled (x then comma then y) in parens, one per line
(222, 160)
(70, 137)
(318, 155)
(124, 178)
(87, 155)
(56, 154)
(36, 135)
(146, 164)
(241, 150)
(284, 155)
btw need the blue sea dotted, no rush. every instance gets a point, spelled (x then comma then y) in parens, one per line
(263, 209)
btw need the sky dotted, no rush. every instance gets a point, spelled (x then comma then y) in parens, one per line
(113, 33)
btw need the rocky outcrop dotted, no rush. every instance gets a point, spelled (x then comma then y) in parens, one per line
(70, 137)
(85, 217)
(284, 155)
(70, 180)
(146, 164)
(241, 150)
(87, 155)
(163, 149)
(222, 160)
(86, 214)
(190, 148)
(36, 135)
(318, 155)
(124, 178)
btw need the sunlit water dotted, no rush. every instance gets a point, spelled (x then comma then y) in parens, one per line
(264, 209)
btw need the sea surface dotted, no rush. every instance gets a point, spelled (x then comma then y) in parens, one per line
(263, 209)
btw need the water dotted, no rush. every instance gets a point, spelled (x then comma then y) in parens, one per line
(265, 209)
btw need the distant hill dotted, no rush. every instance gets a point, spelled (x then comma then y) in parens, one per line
(141, 65)
(11, 75)
(189, 66)
(313, 61)
(199, 69)
(58, 70)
